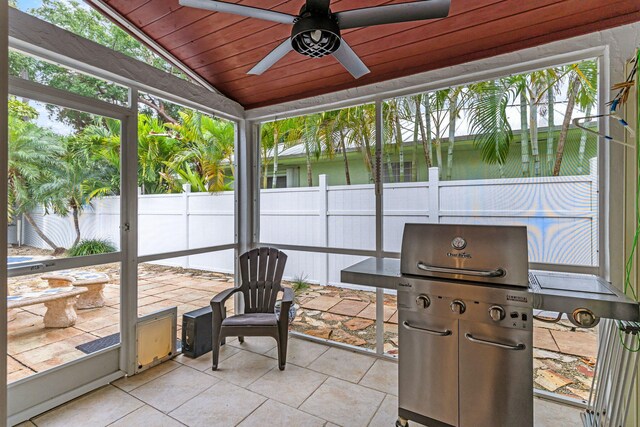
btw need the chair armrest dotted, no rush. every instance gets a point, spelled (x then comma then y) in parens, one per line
(223, 296)
(287, 300)
(288, 295)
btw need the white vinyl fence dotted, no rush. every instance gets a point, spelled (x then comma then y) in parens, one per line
(561, 214)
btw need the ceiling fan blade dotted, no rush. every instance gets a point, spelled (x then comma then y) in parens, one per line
(238, 9)
(318, 5)
(392, 13)
(274, 56)
(349, 60)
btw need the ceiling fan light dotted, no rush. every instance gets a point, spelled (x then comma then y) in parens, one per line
(315, 36)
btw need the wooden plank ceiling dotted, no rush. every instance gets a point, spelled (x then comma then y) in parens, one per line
(223, 47)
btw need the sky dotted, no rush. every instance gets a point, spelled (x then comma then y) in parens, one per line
(28, 4)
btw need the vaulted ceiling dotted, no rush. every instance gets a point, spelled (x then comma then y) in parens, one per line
(221, 47)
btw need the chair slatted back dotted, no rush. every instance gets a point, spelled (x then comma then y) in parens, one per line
(261, 273)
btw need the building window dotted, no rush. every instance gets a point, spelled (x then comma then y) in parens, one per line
(391, 172)
(281, 182)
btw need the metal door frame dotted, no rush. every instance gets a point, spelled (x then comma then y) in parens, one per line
(42, 391)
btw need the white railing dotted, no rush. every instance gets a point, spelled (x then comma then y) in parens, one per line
(560, 213)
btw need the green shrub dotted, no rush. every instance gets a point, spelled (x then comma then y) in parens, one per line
(299, 284)
(91, 247)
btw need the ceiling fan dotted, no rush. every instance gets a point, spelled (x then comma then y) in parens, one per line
(316, 30)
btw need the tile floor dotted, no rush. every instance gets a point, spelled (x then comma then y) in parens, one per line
(563, 358)
(321, 386)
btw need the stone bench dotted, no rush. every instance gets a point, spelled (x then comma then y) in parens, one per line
(60, 303)
(93, 281)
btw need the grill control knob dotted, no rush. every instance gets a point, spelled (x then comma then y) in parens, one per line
(423, 301)
(458, 306)
(497, 313)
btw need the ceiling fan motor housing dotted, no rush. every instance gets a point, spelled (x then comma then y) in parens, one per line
(315, 35)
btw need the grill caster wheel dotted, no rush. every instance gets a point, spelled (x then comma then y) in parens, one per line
(402, 422)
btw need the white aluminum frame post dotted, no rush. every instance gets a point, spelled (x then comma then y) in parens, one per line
(129, 236)
(4, 151)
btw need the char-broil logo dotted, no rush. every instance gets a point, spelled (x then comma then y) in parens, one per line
(458, 255)
(458, 243)
(517, 298)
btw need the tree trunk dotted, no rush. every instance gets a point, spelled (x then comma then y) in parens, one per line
(39, 232)
(390, 176)
(426, 143)
(524, 134)
(583, 146)
(499, 126)
(274, 180)
(231, 166)
(309, 172)
(438, 144)
(414, 152)
(343, 147)
(76, 223)
(159, 109)
(550, 128)
(265, 170)
(366, 146)
(533, 131)
(574, 87)
(400, 145)
(452, 132)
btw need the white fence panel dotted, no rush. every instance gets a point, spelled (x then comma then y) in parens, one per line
(560, 213)
(290, 216)
(351, 208)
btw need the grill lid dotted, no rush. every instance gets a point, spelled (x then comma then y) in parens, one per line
(478, 253)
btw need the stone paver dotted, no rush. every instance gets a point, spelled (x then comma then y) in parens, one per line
(321, 303)
(370, 312)
(551, 380)
(578, 343)
(357, 324)
(542, 339)
(348, 307)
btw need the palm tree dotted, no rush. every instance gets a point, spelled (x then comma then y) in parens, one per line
(438, 122)
(361, 121)
(311, 137)
(76, 181)
(278, 136)
(583, 144)
(392, 137)
(99, 145)
(550, 126)
(207, 149)
(583, 78)
(491, 130)
(425, 128)
(156, 149)
(524, 131)
(33, 153)
(455, 105)
(341, 126)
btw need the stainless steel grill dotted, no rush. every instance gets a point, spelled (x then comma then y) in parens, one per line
(465, 316)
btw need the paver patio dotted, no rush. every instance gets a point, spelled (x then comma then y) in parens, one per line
(563, 357)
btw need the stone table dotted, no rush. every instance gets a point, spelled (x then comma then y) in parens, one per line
(91, 280)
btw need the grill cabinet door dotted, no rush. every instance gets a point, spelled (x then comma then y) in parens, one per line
(496, 384)
(429, 366)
